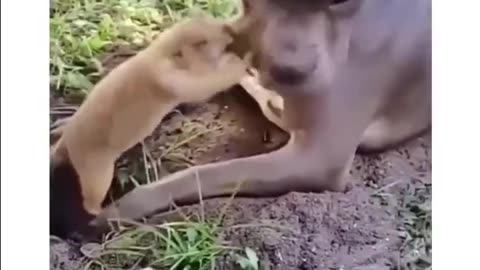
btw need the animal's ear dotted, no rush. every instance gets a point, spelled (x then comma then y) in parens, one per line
(243, 22)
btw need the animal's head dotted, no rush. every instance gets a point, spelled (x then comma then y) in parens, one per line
(294, 38)
(67, 212)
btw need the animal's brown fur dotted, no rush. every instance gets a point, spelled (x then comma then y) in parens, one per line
(354, 76)
(181, 65)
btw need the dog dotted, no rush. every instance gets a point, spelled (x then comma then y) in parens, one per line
(353, 75)
(186, 63)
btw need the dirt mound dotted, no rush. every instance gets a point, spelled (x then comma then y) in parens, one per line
(368, 227)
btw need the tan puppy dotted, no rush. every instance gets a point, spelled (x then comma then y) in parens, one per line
(186, 63)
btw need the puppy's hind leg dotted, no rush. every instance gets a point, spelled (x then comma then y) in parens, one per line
(95, 179)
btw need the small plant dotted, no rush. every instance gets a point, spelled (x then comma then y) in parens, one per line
(188, 244)
(415, 223)
(248, 262)
(416, 228)
(175, 245)
(192, 244)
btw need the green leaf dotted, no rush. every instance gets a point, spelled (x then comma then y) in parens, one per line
(78, 80)
(250, 262)
(96, 43)
(252, 257)
(80, 23)
(243, 262)
(191, 235)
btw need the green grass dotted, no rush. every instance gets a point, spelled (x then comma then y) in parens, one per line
(416, 227)
(83, 31)
(176, 245)
(192, 244)
(414, 215)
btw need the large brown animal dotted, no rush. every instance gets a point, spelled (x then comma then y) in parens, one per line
(186, 63)
(353, 74)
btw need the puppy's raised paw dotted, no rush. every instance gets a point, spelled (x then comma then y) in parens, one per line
(233, 65)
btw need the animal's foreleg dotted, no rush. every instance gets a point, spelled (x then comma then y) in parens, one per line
(262, 175)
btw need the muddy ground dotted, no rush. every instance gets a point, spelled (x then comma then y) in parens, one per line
(380, 223)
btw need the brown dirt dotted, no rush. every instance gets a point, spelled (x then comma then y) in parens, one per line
(366, 228)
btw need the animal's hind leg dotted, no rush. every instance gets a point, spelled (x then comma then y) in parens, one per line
(385, 133)
(408, 117)
(95, 178)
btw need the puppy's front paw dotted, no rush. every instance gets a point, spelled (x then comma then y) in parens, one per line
(233, 65)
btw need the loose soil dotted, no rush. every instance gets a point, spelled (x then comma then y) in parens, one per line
(373, 226)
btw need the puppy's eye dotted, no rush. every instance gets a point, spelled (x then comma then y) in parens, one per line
(178, 54)
(200, 43)
(229, 30)
(336, 2)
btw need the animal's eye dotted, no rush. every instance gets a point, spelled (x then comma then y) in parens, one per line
(336, 2)
(200, 43)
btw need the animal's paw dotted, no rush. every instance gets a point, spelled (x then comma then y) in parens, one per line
(251, 83)
(231, 64)
(276, 104)
(248, 58)
(269, 101)
(251, 80)
(101, 221)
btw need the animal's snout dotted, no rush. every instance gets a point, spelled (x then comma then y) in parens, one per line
(288, 56)
(286, 74)
(290, 74)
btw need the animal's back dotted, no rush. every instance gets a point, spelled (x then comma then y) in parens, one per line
(121, 105)
(393, 37)
(402, 28)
